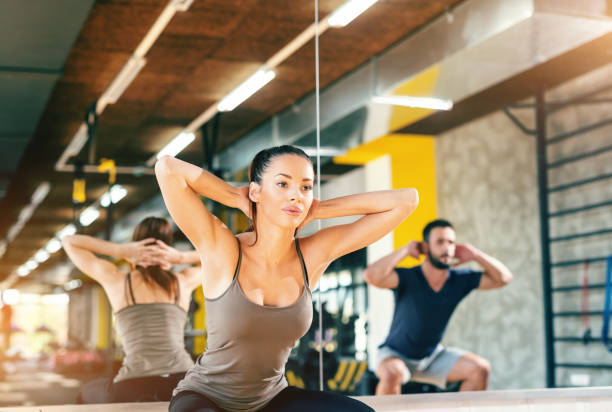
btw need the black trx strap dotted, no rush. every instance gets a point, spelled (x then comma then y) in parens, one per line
(108, 165)
(91, 119)
(78, 191)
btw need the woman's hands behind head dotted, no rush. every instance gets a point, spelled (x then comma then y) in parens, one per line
(134, 251)
(151, 252)
(244, 203)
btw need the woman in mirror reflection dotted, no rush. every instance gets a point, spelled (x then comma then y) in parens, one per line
(150, 304)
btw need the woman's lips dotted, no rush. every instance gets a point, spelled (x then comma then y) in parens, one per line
(292, 211)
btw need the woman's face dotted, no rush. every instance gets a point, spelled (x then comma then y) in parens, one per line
(285, 193)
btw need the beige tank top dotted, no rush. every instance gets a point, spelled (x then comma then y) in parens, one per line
(153, 338)
(248, 345)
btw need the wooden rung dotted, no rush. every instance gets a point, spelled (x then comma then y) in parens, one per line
(534, 400)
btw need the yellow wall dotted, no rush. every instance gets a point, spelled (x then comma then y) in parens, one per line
(413, 165)
(412, 157)
(104, 319)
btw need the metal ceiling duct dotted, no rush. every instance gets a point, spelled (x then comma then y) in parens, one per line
(473, 47)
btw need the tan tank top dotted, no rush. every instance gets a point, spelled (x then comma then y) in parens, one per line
(153, 338)
(248, 345)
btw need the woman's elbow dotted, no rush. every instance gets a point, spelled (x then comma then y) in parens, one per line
(163, 166)
(507, 278)
(413, 197)
(409, 199)
(367, 276)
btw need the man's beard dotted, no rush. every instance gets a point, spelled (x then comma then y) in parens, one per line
(437, 263)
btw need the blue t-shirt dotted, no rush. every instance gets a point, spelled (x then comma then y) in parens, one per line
(421, 314)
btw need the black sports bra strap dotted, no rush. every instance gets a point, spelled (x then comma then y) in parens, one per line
(239, 258)
(304, 270)
(129, 282)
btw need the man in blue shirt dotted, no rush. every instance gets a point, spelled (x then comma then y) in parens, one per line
(425, 298)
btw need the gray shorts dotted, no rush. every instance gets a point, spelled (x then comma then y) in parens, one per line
(433, 369)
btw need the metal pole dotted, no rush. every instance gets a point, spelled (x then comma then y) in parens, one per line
(545, 237)
(109, 325)
(318, 136)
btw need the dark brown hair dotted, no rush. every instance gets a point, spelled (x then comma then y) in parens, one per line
(258, 166)
(157, 228)
(434, 224)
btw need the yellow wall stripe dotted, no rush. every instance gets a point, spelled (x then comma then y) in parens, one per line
(362, 367)
(349, 374)
(104, 314)
(413, 165)
(199, 321)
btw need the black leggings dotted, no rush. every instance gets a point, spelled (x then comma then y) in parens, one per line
(145, 389)
(290, 399)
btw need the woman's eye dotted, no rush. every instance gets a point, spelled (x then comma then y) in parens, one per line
(307, 187)
(281, 184)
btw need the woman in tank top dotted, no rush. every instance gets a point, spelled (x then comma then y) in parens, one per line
(257, 285)
(150, 305)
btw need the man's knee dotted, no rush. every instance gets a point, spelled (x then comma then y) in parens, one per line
(480, 368)
(484, 367)
(393, 371)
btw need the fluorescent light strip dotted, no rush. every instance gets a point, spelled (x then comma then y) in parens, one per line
(117, 193)
(41, 256)
(74, 147)
(123, 79)
(31, 264)
(177, 144)
(89, 215)
(42, 190)
(181, 5)
(78, 141)
(125, 76)
(137, 60)
(156, 30)
(53, 245)
(10, 296)
(418, 102)
(26, 213)
(323, 151)
(14, 230)
(346, 13)
(67, 230)
(249, 87)
(40, 193)
(228, 103)
(73, 284)
(272, 62)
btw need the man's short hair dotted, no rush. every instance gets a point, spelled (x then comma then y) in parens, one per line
(434, 224)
